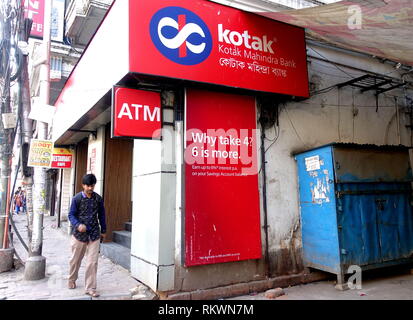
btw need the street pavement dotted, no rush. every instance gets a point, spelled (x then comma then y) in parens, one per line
(114, 282)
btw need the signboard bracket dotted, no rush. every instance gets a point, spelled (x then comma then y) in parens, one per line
(95, 133)
(169, 124)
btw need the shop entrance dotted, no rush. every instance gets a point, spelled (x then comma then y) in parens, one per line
(81, 163)
(118, 183)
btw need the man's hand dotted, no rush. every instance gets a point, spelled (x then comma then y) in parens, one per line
(102, 237)
(81, 228)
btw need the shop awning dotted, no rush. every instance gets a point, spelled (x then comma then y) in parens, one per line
(86, 95)
(382, 28)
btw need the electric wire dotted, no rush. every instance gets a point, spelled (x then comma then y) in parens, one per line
(15, 25)
(275, 134)
(277, 130)
(14, 14)
(352, 77)
(334, 64)
(12, 191)
(12, 220)
(295, 130)
(339, 68)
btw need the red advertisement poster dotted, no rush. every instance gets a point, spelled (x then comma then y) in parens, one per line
(34, 9)
(222, 210)
(136, 113)
(207, 42)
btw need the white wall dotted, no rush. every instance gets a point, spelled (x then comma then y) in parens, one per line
(340, 115)
(344, 115)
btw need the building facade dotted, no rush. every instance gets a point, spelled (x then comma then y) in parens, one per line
(145, 182)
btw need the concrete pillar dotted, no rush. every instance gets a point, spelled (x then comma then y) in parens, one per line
(153, 212)
(6, 259)
(35, 268)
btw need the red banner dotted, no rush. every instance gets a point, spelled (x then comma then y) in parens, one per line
(136, 113)
(34, 9)
(208, 42)
(222, 212)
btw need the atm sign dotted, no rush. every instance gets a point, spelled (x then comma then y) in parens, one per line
(136, 113)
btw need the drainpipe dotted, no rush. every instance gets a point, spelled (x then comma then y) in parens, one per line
(59, 217)
(398, 121)
(264, 194)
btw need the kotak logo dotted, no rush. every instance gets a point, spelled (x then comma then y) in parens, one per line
(180, 35)
(238, 39)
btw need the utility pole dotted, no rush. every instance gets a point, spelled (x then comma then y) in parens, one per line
(6, 254)
(25, 123)
(35, 268)
(5, 134)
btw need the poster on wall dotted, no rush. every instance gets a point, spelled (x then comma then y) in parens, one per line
(57, 20)
(222, 208)
(40, 154)
(34, 9)
(91, 167)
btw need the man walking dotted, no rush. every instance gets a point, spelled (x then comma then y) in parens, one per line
(87, 212)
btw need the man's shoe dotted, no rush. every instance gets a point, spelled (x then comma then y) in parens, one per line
(92, 293)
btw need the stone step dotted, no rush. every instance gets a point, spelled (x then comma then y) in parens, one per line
(128, 226)
(123, 238)
(116, 253)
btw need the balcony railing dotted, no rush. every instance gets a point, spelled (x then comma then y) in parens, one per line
(83, 17)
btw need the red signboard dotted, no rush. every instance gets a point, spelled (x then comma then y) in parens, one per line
(61, 158)
(207, 42)
(34, 9)
(136, 113)
(222, 211)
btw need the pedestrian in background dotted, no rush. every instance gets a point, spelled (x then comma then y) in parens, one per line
(87, 217)
(17, 201)
(23, 198)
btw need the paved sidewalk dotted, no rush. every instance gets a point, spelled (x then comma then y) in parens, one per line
(114, 282)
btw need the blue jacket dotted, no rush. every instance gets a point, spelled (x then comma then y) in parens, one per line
(90, 212)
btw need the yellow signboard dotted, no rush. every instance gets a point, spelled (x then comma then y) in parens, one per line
(40, 154)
